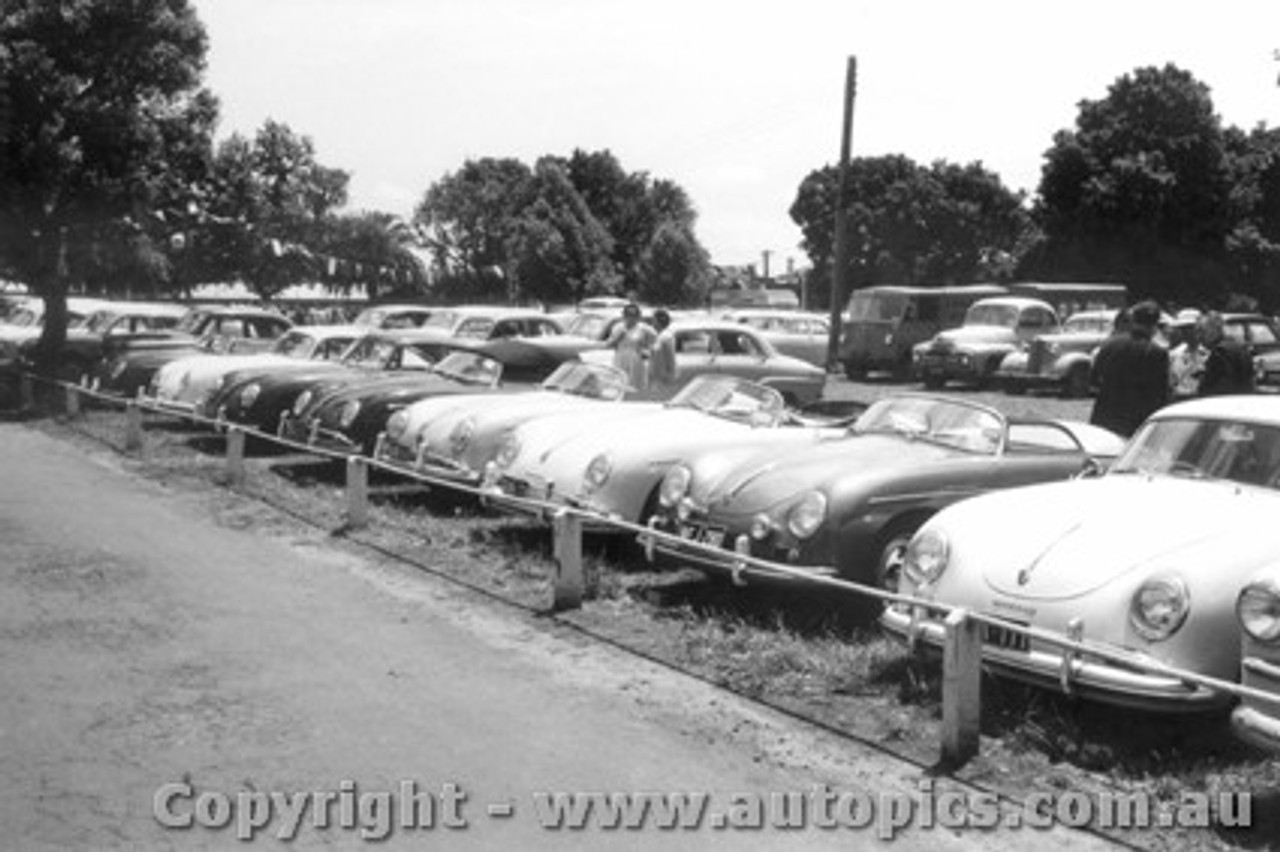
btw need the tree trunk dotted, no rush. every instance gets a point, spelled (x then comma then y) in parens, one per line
(51, 285)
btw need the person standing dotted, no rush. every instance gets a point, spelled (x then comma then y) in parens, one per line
(1131, 372)
(632, 344)
(662, 366)
(1228, 368)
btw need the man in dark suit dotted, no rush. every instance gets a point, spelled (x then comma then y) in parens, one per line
(1228, 367)
(1131, 372)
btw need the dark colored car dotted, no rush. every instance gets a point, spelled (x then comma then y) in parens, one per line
(351, 416)
(851, 503)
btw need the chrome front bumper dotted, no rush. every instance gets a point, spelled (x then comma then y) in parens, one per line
(1258, 722)
(712, 548)
(1064, 670)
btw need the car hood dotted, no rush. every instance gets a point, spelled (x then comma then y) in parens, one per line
(406, 386)
(770, 478)
(1067, 540)
(202, 369)
(969, 334)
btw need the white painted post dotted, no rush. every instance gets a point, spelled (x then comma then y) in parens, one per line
(235, 456)
(567, 550)
(133, 427)
(73, 401)
(357, 492)
(961, 688)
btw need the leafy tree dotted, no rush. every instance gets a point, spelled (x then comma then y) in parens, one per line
(106, 122)
(909, 224)
(270, 207)
(1253, 246)
(559, 251)
(1139, 190)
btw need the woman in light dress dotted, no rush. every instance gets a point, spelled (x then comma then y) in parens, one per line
(632, 344)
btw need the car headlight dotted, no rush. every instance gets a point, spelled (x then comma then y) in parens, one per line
(348, 414)
(460, 437)
(300, 404)
(249, 395)
(597, 473)
(927, 556)
(1159, 607)
(674, 485)
(1258, 609)
(807, 515)
(761, 527)
(397, 425)
(508, 451)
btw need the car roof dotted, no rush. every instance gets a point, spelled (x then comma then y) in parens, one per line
(708, 325)
(324, 332)
(145, 309)
(1014, 301)
(1258, 408)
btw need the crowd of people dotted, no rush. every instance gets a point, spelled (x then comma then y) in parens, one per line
(1135, 374)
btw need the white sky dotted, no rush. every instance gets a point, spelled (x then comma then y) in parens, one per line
(735, 101)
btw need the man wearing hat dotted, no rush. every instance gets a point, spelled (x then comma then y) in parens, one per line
(1131, 372)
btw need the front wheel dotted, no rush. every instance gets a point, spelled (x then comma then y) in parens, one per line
(891, 549)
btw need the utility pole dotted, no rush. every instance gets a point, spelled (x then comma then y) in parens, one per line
(840, 262)
(765, 258)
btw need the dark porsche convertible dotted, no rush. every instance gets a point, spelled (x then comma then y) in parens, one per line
(850, 503)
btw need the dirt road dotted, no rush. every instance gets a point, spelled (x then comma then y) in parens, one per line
(160, 664)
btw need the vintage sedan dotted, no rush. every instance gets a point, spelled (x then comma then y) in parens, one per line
(849, 504)
(1062, 360)
(800, 334)
(1146, 561)
(611, 460)
(705, 346)
(1257, 720)
(992, 329)
(454, 437)
(131, 360)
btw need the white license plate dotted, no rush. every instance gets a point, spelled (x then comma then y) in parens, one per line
(713, 536)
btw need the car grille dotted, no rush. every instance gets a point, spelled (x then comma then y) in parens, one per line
(1002, 637)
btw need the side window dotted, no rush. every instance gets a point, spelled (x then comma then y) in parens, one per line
(1234, 330)
(475, 328)
(230, 326)
(736, 343)
(506, 328)
(1260, 332)
(693, 343)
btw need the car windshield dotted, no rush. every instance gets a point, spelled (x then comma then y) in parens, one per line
(736, 399)
(470, 367)
(1091, 324)
(590, 326)
(371, 352)
(935, 419)
(877, 307)
(1002, 315)
(98, 321)
(192, 321)
(24, 317)
(595, 381)
(295, 344)
(371, 317)
(1237, 451)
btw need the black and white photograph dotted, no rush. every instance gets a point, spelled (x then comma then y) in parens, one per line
(601, 424)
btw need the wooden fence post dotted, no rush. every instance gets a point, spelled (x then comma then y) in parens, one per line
(235, 456)
(73, 401)
(567, 550)
(357, 492)
(133, 427)
(961, 688)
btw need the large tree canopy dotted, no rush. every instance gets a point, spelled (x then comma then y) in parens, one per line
(1139, 190)
(564, 229)
(106, 128)
(909, 224)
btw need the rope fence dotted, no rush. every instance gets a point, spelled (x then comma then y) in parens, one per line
(964, 630)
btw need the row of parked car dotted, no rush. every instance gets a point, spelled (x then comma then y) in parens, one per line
(1038, 337)
(1155, 548)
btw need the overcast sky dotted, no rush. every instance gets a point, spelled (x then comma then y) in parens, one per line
(735, 101)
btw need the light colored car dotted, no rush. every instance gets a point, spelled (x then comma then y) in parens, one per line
(799, 334)
(718, 347)
(183, 383)
(394, 316)
(992, 329)
(1062, 360)
(1147, 559)
(1258, 610)
(850, 502)
(455, 437)
(488, 322)
(611, 460)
